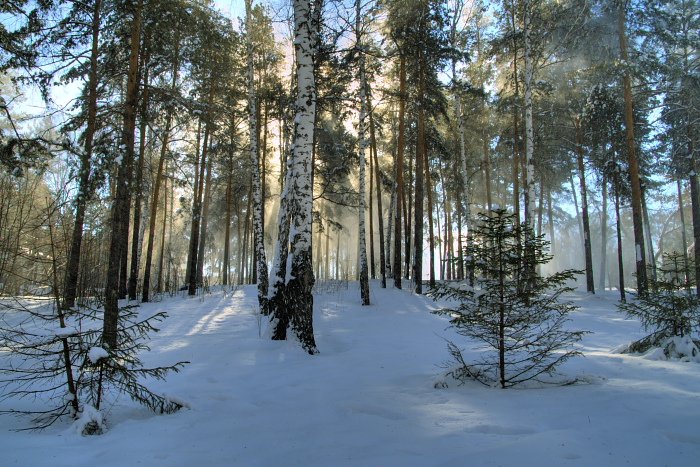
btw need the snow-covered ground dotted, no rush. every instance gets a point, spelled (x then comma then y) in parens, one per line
(368, 398)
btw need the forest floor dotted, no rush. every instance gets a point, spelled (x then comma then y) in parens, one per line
(368, 399)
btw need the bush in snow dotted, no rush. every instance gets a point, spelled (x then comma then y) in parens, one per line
(670, 311)
(517, 316)
(57, 356)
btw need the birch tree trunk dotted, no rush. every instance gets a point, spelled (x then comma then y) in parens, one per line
(296, 313)
(258, 220)
(363, 144)
(529, 128)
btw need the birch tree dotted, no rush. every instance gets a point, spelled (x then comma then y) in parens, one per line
(260, 259)
(295, 313)
(363, 144)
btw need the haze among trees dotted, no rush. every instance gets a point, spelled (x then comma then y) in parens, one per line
(162, 147)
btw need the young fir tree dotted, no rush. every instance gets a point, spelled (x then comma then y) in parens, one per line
(521, 328)
(670, 310)
(58, 357)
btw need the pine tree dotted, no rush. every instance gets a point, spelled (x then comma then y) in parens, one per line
(670, 310)
(521, 329)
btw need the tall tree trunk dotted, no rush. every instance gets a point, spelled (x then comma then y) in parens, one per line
(578, 212)
(203, 225)
(120, 210)
(159, 177)
(637, 215)
(197, 218)
(246, 230)
(161, 256)
(136, 234)
(363, 145)
(297, 311)
(695, 207)
(226, 267)
(686, 263)
(420, 173)
(603, 237)
(194, 230)
(400, 198)
(431, 238)
(460, 252)
(84, 189)
(647, 239)
(258, 216)
(380, 211)
(620, 259)
(550, 219)
(370, 204)
(590, 284)
(529, 127)
(516, 120)
(391, 221)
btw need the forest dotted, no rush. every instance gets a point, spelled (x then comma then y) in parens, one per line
(155, 147)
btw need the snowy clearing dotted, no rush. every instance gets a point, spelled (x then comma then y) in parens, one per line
(368, 398)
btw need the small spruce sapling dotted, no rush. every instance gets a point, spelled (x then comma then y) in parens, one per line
(670, 311)
(517, 316)
(58, 357)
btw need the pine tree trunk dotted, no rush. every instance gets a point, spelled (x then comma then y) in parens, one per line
(380, 211)
(84, 190)
(578, 211)
(120, 211)
(408, 216)
(419, 178)
(225, 263)
(686, 263)
(154, 210)
(400, 198)
(620, 260)
(637, 215)
(196, 218)
(590, 284)
(161, 256)
(136, 234)
(372, 266)
(603, 237)
(550, 219)
(157, 183)
(203, 225)
(647, 239)
(695, 209)
(391, 222)
(431, 238)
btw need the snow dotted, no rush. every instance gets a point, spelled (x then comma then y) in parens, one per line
(368, 399)
(96, 353)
